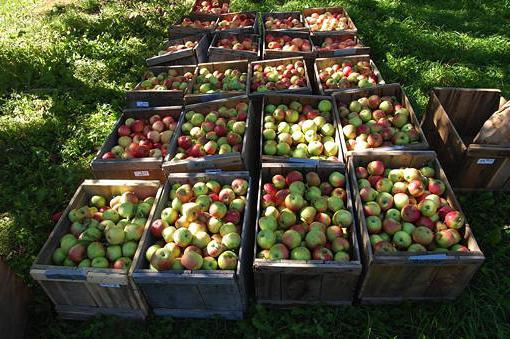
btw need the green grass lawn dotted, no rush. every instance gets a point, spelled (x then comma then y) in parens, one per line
(64, 66)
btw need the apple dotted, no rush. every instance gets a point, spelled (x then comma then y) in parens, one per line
(277, 78)
(332, 43)
(349, 75)
(235, 20)
(215, 7)
(289, 22)
(454, 219)
(236, 42)
(203, 24)
(287, 43)
(402, 240)
(227, 260)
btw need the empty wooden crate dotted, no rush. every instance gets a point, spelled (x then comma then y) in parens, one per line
(198, 293)
(303, 282)
(454, 117)
(416, 276)
(81, 293)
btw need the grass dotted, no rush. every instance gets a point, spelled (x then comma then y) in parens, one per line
(64, 66)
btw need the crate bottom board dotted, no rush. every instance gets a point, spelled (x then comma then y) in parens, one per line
(202, 314)
(85, 312)
(380, 301)
(296, 303)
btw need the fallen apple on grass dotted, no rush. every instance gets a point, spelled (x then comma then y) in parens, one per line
(402, 213)
(277, 78)
(348, 75)
(304, 218)
(300, 131)
(374, 121)
(200, 227)
(104, 235)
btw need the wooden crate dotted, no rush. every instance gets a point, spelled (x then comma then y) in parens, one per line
(277, 54)
(313, 100)
(322, 63)
(309, 11)
(176, 31)
(254, 29)
(233, 161)
(275, 62)
(319, 39)
(298, 282)
(82, 293)
(196, 98)
(217, 54)
(384, 90)
(196, 9)
(153, 98)
(283, 15)
(189, 56)
(15, 296)
(402, 276)
(201, 293)
(136, 168)
(454, 117)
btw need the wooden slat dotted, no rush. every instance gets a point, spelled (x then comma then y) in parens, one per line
(15, 297)
(199, 313)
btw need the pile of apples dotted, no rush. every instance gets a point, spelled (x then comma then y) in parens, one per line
(141, 138)
(300, 131)
(277, 78)
(348, 75)
(304, 218)
(204, 24)
(287, 44)
(200, 229)
(179, 47)
(240, 20)
(233, 42)
(286, 23)
(215, 7)
(336, 42)
(406, 210)
(218, 132)
(375, 121)
(219, 81)
(165, 81)
(104, 236)
(328, 21)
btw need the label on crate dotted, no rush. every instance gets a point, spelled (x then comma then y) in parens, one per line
(142, 104)
(339, 52)
(141, 173)
(426, 257)
(483, 161)
(110, 285)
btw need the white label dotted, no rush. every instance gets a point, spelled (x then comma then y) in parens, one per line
(110, 285)
(483, 161)
(142, 104)
(141, 173)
